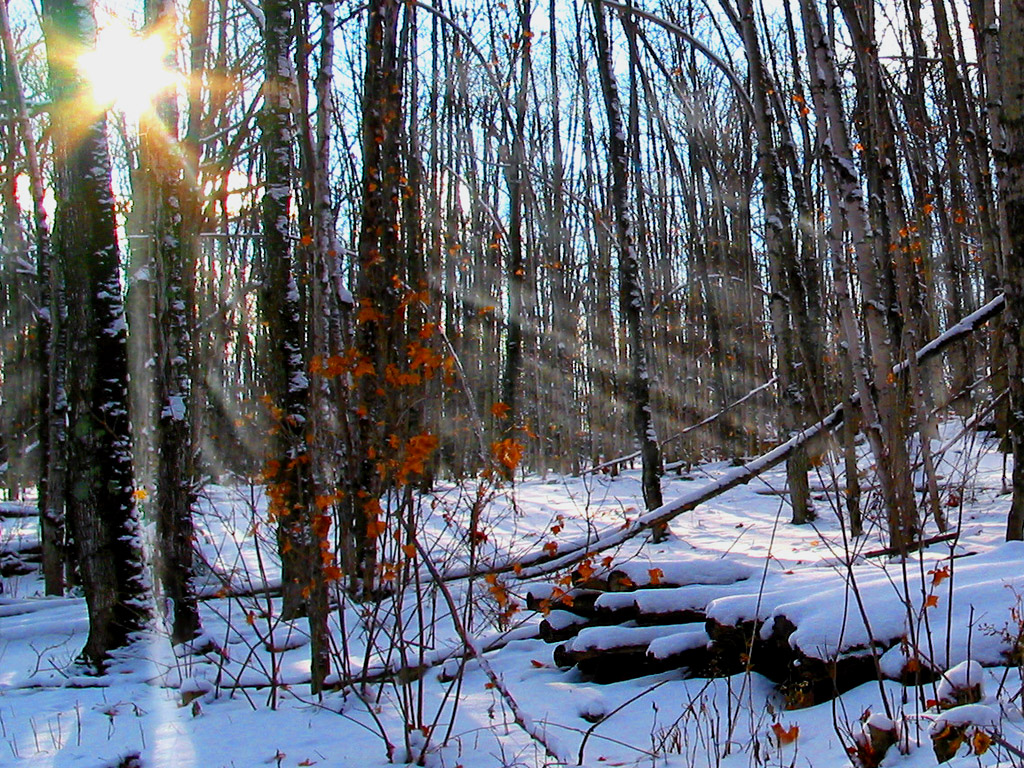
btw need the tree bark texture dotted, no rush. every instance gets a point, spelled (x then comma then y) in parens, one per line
(631, 299)
(161, 161)
(1011, 45)
(99, 496)
(288, 469)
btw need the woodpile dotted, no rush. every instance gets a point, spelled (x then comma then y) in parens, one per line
(704, 617)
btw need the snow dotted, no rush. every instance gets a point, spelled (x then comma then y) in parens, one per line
(980, 715)
(243, 699)
(590, 703)
(670, 645)
(965, 675)
(605, 638)
(687, 569)
(175, 408)
(562, 620)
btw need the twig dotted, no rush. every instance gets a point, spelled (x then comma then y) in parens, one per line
(713, 417)
(916, 545)
(521, 718)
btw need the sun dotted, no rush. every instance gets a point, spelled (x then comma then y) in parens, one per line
(126, 70)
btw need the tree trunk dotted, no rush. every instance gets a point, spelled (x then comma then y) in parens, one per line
(1011, 45)
(100, 500)
(780, 245)
(288, 468)
(174, 301)
(631, 299)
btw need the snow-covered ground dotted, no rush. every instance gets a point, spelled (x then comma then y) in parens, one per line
(247, 702)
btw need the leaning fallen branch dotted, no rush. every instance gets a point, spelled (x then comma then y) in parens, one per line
(545, 562)
(611, 463)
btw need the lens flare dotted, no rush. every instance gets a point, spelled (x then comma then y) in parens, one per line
(126, 71)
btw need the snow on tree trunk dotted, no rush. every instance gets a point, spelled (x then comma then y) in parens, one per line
(287, 471)
(99, 495)
(631, 300)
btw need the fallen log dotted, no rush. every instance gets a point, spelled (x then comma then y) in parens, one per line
(12, 509)
(558, 626)
(611, 654)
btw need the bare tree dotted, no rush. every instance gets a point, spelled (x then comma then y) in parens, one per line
(632, 304)
(99, 496)
(1011, 120)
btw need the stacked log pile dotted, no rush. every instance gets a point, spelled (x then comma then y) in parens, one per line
(816, 632)
(19, 553)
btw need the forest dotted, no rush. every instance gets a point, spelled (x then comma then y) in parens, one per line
(435, 373)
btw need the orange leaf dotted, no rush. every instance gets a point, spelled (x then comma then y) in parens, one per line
(500, 410)
(656, 575)
(409, 550)
(939, 575)
(980, 742)
(375, 527)
(931, 601)
(785, 736)
(542, 665)
(332, 573)
(551, 547)
(367, 314)
(363, 367)
(508, 453)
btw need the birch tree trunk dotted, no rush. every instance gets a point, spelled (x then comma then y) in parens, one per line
(288, 469)
(631, 299)
(871, 368)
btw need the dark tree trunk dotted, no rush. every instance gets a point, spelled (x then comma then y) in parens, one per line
(380, 330)
(517, 260)
(176, 476)
(99, 498)
(786, 282)
(1011, 46)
